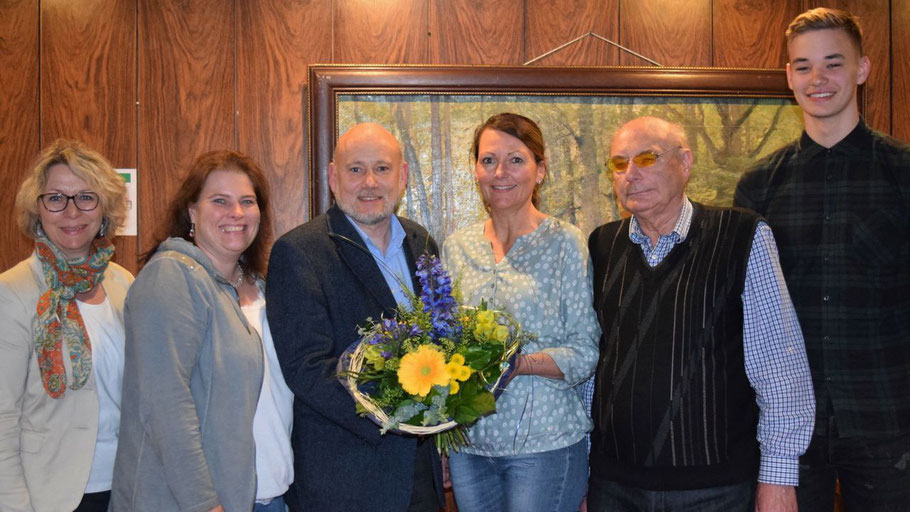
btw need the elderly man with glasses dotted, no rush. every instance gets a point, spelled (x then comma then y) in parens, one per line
(703, 398)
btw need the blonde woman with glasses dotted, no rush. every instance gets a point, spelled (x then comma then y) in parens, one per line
(61, 341)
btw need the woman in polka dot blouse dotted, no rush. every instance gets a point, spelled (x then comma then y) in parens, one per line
(530, 455)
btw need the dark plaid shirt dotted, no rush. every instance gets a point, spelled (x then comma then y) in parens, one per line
(841, 217)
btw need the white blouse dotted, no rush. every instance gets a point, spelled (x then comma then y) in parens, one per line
(106, 334)
(274, 415)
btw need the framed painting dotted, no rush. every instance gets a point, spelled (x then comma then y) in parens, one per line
(732, 117)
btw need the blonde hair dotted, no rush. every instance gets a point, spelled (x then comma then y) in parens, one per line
(826, 18)
(87, 165)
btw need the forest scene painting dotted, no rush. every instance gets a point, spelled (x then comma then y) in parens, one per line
(726, 134)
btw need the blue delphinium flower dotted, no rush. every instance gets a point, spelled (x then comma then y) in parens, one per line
(436, 294)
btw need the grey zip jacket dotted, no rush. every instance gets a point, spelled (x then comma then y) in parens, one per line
(191, 382)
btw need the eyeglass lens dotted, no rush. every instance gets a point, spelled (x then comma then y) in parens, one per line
(85, 201)
(643, 159)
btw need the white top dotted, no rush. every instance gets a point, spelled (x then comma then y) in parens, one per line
(274, 414)
(106, 335)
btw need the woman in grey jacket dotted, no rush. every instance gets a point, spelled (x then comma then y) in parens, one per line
(194, 365)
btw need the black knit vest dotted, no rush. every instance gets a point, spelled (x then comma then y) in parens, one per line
(673, 408)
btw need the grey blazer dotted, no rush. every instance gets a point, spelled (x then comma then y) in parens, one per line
(46, 444)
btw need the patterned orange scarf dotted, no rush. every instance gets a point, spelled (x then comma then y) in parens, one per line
(58, 318)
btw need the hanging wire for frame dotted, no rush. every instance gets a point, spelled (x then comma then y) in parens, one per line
(597, 36)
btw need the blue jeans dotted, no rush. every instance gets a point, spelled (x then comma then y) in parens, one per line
(276, 505)
(552, 481)
(605, 496)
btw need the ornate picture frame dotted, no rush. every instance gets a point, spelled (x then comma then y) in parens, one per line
(733, 117)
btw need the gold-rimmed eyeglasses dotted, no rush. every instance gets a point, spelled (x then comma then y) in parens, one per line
(619, 164)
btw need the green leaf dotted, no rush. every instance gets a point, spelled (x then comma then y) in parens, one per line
(480, 356)
(480, 404)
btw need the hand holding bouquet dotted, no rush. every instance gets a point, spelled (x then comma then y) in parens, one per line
(433, 368)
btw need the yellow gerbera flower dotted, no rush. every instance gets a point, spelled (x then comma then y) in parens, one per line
(422, 369)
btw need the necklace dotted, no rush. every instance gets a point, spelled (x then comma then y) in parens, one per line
(239, 282)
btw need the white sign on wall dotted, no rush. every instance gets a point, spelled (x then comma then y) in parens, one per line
(130, 225)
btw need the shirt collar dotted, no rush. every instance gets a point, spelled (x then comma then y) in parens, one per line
(681, 229)
(860, 136)
(395, 241)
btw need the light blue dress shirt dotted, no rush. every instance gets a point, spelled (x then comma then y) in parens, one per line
(393, 264)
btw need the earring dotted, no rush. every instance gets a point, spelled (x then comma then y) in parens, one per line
(103, 230)
(39, 229)
(192, 229)
(540, 181)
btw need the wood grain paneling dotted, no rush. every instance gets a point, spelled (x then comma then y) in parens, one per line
(275, 43)
(19, 141)
(471, 32)
(371, 32)
(900, 45)
(550, 24)
(667, 31)
(750, 33)
(88, 84)
(875, 20)
(186, 91)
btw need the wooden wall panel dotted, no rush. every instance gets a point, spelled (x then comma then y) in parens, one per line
(275, 43)
(186, 91)
(875, 20)
(19, 141)
(472, 32)
(900, 45)
(750, 33)
(550, 24)
(88, 84)
(666, 31)
(371, 32)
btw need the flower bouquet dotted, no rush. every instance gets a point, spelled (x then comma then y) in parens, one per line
(434, 368)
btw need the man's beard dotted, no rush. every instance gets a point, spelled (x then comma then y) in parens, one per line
(369, 219)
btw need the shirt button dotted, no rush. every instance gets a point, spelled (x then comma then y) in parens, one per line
(826, 298)
(827, 258)
(826, 338)
(827, 218)
(827, 379)
(828, 176)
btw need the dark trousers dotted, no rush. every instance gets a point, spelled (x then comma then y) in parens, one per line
(874, 474)
(605, 496)
(94, 502)
(424, 496)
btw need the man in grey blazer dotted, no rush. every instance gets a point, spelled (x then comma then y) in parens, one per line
(325, 278)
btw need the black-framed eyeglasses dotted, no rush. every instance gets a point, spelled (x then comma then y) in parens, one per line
(57, 202)
(620, 164)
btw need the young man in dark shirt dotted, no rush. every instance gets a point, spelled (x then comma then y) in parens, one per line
(838, 200)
